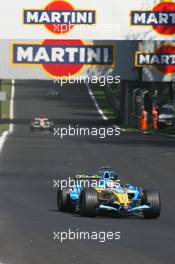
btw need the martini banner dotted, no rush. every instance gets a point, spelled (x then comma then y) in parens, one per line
(157, 60)
(92, 19)
(50, 59)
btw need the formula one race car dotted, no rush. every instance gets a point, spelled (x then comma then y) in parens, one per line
(54, 94)
(41, 123)
(108, 195)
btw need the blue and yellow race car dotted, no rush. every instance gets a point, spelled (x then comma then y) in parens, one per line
(103, 192)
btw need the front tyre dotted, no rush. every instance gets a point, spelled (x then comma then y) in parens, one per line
(88, 202)
(151, 198)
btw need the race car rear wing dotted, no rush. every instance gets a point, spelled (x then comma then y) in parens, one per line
(87, 177)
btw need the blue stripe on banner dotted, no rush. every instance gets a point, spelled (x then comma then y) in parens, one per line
(78, 17)
(63, 54)
(166, 18)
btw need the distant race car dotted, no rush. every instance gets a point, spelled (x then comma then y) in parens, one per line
(166, 116)
(109, 195)
(53, 94)
(41, 123)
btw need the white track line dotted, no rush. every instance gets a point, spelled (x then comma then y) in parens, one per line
(104, 117)
(5, 133)
(3, 138)
(12, 105)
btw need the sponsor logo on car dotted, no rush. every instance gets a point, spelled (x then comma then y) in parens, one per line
(59, 17)
(62, 57)
(163, 59)
(161, 18)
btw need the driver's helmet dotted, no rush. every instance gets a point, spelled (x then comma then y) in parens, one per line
(114, 176)
(42, 116)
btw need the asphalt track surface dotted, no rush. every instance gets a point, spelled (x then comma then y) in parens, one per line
(30, 161)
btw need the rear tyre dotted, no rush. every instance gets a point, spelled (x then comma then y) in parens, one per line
(63, 200)
(88, 202)
(151, 198)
